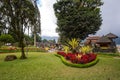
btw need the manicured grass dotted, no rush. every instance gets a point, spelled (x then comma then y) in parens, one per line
(46, 66)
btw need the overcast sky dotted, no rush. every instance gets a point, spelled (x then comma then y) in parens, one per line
(110, 14)
(111, 17)
(48, 19)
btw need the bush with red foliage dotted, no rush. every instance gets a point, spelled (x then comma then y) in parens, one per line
(71, 57)
(92, 56)
(62, 53)
(83, 59)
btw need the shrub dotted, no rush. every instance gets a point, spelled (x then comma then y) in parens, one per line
(86, 49)
(7, 49)
(73, 45)
(66, 49)
(62, 53)
(6, 38)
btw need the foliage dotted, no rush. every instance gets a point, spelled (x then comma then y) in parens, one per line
(48, 41)
(73, 44)
(85, 49)
(77, 18)
(66, 49)
(34, 49)
(38, 38)
(44, 40)
(36, 29)
(17, 16)
(109, 54)
(28, 39)
(8, 49)
(52, 41)
(6, 38)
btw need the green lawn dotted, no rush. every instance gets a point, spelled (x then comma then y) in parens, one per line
(46, 66)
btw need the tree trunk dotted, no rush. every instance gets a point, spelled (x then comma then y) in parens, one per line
(35, 39)
(23, 56)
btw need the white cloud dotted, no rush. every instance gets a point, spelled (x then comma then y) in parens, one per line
(48, 19)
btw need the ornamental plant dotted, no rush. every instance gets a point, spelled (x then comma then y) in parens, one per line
(85, 49)
(66, 49)
(73, 45)
(78, 58)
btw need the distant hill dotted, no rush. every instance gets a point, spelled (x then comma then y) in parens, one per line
(50, 38)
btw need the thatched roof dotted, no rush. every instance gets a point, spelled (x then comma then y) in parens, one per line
(111, 35)
(104, 39)
(93, 37)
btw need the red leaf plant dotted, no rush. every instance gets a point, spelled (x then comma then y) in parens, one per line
(78, 58)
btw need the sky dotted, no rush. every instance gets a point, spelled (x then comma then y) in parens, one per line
(110, 11)
(48, 19)
(111, 17)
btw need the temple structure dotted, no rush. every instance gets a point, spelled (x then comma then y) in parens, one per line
(102, 44)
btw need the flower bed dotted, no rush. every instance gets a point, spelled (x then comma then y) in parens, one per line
(7, 50)
(78, 59)
(16, 49)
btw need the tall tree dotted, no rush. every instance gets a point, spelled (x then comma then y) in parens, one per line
(37, 28)
(17, 16)
(77, 18)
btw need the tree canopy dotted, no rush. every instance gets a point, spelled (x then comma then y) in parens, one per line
(77, 18)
